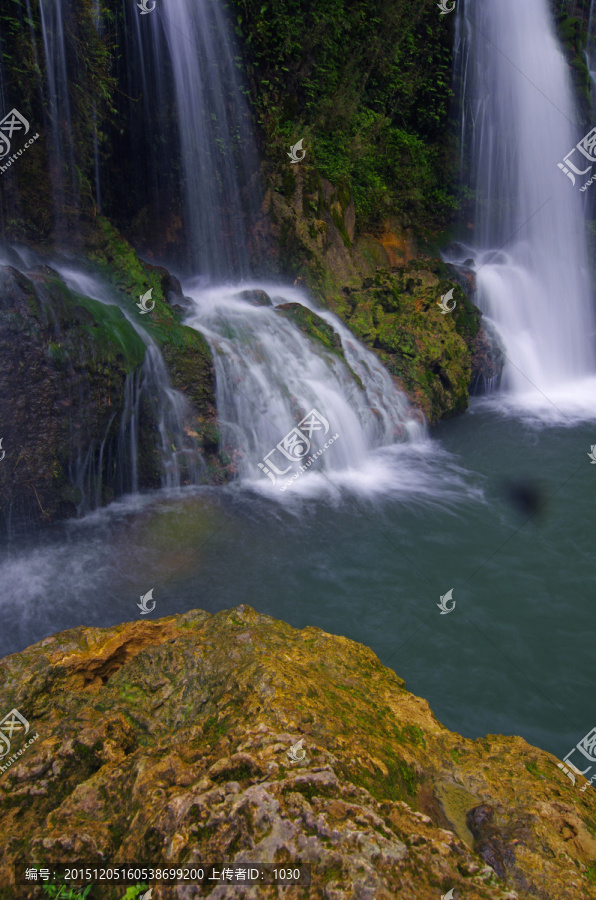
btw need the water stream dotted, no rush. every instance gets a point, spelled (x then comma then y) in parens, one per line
(185, 57)
(528, 242)
(270, 376)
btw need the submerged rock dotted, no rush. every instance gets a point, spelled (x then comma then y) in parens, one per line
(167, 741)
(312, 324)
(256, 298)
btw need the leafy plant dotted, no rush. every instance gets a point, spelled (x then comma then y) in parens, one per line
(66, 892)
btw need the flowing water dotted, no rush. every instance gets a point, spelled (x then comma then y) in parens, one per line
(375, 526)
(528, 242)
(270, 375)
(62, 163)
(183, 58)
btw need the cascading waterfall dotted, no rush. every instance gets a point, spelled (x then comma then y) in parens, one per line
(528, 245)
(191, 45)
(270, 376)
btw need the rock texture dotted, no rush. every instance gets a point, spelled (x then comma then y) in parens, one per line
(70, 365)
(383, 286)
(65, 362)
(166, 741)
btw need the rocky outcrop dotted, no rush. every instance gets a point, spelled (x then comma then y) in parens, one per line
(167, 741)
(68, 363)
(65, 361)
(381, 286)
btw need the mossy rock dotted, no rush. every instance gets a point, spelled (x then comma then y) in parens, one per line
(167, 740)
(312, 324)
(66, 360)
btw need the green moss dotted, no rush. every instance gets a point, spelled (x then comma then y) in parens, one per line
(117, 261)
(414, 735)
(114, 331)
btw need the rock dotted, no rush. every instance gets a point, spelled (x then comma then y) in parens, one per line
(166, 742)
(65, 360)
(312, 324)
(256, 298)
(488, 362)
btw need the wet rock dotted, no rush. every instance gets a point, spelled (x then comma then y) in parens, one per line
(65, 363)
(488, 362)
(312, 324)
(256, 298)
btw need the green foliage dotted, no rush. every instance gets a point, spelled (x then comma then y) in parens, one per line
(134, 891)
(572, 32)
(65, 892)
(90, 102)
(367, 84)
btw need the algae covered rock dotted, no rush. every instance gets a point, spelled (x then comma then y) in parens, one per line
(430, 352)
(65, 362)
(168, 741)
(312, 324)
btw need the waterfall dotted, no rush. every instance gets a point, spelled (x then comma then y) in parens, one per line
(270, 376)
(189, 43)
(590, 52)
(527, 243)
(62, 164)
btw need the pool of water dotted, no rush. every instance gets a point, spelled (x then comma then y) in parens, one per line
(513, 657)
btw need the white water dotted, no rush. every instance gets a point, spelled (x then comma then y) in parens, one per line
(62, 168)
(528, 241)
(217, 150)
(270, 375)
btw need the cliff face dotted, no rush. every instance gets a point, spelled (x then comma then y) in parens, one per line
(167, 741)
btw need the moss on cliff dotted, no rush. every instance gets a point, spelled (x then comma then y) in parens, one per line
(366, 83)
